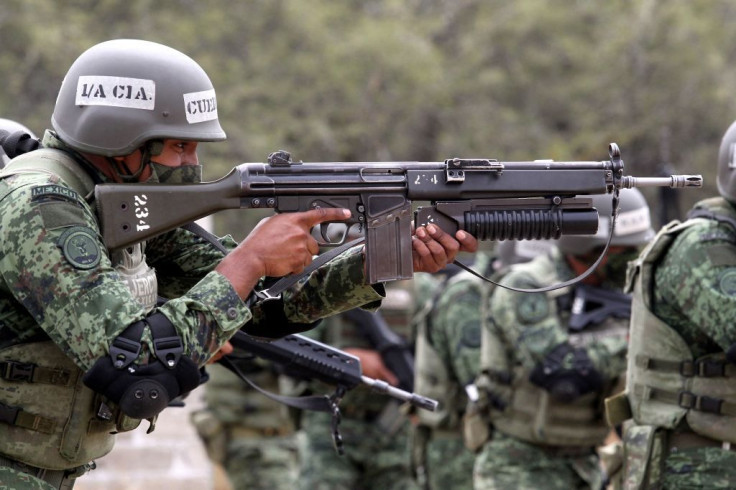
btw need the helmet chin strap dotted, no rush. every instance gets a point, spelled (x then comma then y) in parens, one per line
(149, 149)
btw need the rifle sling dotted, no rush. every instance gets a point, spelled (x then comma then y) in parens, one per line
(321, 403)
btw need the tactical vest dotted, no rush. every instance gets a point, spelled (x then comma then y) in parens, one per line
(526, 411)
(48, 417)
(664, 382)
(432, 377)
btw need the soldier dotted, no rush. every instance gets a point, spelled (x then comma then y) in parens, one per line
(447, 360)
(250, 435)
(374, 431)
(549, 359)
(680, 385)
(85, 351)
(8, 127)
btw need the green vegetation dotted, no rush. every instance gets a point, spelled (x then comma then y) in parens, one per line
(417, 79)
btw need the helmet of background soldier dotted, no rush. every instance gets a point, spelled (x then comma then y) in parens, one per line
(727, 165)
(119, 94)
(633, 225)
(509, 252)
(11, 127)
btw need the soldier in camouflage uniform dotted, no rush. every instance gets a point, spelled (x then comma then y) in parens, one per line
(681, 379)
(9, 127)
(250, 435)
(548, 359)
(84, 349)
(374, 431)
(447, 360)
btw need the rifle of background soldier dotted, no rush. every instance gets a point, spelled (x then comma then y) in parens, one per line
(489, 199)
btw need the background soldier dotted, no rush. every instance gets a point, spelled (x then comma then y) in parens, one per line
(12, 128)
(250, 435)
(447, 361)
(548, 359)
(374, 431)
(680, 384)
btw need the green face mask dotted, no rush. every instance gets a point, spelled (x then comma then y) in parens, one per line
(185, 174)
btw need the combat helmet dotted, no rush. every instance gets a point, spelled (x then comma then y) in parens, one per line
(727, 165)
(511, 252)
(633, 225)
(121, 93)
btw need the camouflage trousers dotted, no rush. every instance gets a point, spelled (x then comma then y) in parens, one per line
(508, 463)
(267, 463)
(373, 458)
(449, 464)
(680, 469)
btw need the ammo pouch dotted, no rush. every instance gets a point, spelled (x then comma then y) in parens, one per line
(142, 392)
(477, 429)
(643, 456)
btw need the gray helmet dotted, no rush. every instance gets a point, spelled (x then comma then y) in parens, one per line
(119, 94)
(727, 165)
(11, 127)
(519, 251)
(633, 225)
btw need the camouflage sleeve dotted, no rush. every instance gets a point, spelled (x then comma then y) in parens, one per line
(696, 286)
(454, 330)
(335, 287)
(59, 273)
(182, 259)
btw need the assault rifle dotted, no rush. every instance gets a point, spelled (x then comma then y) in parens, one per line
(591, 306)
(303, 358)
(491, 200)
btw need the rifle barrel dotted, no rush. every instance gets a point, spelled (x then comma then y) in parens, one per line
(416, 400)
(673, 181)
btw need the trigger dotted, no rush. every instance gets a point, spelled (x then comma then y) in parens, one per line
(323, 230)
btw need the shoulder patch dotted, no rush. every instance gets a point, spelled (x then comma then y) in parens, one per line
(532, 308)
(43, 193)
(727, 282)
(80, 248)
(470, 336)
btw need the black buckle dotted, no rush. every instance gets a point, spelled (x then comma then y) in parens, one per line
(688, 369)
(685, 399)
(8, 414)
(16, 371)
(709, 368)
(124, 351)
(168, 350)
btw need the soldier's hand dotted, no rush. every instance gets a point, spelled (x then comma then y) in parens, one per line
(279, 245)
(227, 348)
(372, 365)
(433, 249)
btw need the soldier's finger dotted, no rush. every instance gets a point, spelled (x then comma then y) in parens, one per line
(320, 215)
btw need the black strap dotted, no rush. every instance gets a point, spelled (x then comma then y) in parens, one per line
(321, 403)
(32, 373)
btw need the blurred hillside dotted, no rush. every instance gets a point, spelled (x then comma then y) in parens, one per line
(416, 79)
